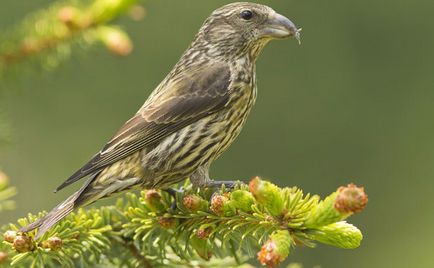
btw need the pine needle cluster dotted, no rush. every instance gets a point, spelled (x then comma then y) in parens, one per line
(206, 229)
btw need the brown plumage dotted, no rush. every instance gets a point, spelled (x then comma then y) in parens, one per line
(191, 117)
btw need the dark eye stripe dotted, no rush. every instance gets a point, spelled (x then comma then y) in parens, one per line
(246, 14)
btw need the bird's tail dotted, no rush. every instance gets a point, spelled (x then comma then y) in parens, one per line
(53, 217)
(56, 214)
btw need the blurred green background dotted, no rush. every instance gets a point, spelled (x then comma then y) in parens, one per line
(353, 103)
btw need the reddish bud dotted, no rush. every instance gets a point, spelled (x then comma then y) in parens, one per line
(218, 203)
(137, 12)
(276, 249)
(351, 199)
(194, 203)
(267, 255)
(23, 243)
(9, 236)
(3, 257)
(167, 221)
(30, 46)
(69, 16)
(53, 243)
(116, 41)
(204, 233)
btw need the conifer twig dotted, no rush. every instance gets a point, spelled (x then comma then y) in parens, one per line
(205, 228)
(47, 36)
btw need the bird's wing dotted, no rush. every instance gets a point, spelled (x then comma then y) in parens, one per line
(182, 102)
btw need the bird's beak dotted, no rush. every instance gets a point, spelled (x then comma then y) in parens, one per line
(279, 27)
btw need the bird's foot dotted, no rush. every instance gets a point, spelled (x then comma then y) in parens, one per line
(173, 192)
(227, 184)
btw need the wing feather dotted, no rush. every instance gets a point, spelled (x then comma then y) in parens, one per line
(180, 103)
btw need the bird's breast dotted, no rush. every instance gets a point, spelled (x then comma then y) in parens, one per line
(200, 143)
(242, 101)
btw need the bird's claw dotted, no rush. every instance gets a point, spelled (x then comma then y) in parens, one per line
(227, 184)
(173, 192)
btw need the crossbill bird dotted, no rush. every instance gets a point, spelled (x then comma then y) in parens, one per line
(190, 119)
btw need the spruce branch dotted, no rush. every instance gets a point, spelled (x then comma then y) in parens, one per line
(207, 229)
(47, 37)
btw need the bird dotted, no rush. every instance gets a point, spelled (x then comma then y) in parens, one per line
(190, 118)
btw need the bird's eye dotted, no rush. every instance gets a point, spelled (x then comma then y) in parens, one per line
(246, 14)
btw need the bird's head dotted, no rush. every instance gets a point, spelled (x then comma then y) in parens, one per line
(244, 28)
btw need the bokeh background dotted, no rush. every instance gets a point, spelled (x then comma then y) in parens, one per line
(353, 103)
